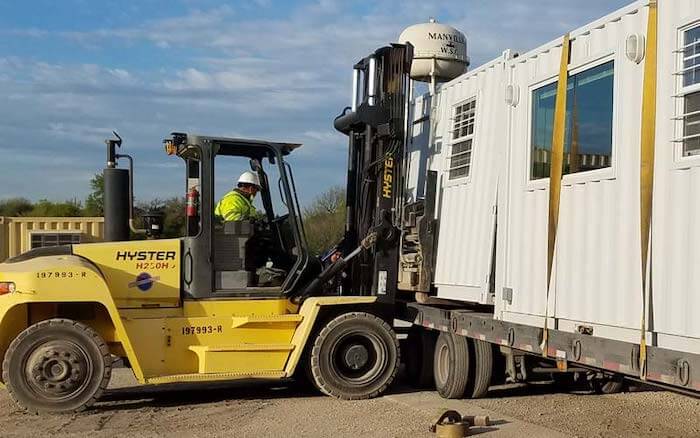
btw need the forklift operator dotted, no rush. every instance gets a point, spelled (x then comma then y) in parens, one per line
(237, 205)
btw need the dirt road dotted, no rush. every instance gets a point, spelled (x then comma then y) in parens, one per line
(260, 410)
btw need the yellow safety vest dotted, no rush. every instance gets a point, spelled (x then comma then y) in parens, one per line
(235, 206)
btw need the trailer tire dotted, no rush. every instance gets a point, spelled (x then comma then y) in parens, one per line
(420, 355)
(57, 365)
(355, 356)
(482, 352)
(610, 385)
(451, 365)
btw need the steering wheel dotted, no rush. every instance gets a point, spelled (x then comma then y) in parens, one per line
(281, 219)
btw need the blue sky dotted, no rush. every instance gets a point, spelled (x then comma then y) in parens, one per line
(73, 70)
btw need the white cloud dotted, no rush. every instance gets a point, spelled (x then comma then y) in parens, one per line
(213, 71)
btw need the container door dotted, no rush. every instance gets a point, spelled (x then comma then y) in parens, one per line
(676, 210)
(474, 144)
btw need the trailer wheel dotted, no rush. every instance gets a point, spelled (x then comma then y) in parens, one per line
(420, 356)
(57, 365)
(607, 385)
(355, 356)
(451, 365)
(483, 367)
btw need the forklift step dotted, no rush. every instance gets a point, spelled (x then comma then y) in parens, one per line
(241, 347)
(245, 358)
(197, 377)
(240, 321)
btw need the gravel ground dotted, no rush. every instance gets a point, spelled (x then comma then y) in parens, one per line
(248, 409)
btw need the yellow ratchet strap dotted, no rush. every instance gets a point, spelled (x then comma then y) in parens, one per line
(648, 141)
(555, 173)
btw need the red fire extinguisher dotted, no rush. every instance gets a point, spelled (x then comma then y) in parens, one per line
(192, 201)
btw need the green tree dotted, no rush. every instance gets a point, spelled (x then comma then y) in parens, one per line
(46, 208)
(324, 220)
(15, 207)
(94, 204)
(174, 220)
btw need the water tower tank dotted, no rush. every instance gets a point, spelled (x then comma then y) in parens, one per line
(439, 51)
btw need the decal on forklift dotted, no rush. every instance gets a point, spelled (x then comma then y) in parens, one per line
(154, 266)
(142, 256)
(144, 282)
(61, 274)
(202, 330)
(387, 183)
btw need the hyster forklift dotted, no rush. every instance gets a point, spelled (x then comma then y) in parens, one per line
(204, 307)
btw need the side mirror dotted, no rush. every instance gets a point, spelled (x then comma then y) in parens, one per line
(255, 165)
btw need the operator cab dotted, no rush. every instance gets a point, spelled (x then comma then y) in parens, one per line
(262, 256)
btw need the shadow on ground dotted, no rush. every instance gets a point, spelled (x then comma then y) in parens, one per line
(181, 394)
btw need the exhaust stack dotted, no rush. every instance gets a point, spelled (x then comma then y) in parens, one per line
(116, 195)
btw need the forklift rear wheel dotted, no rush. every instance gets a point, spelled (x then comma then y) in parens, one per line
(355, 356)
(57, 365)
(451, 365)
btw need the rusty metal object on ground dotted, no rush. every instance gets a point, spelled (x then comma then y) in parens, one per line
(450, 425)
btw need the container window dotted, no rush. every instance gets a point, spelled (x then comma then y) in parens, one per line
(462, 139)
(42, 240)
(690, 71)
(691, 125)
(589, 122)
(691, 57)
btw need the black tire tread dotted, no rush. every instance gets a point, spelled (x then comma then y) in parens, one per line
(458, 378)
(48, 324)
(483, 367)
(419, 360)
(612, 386)
(316, 373)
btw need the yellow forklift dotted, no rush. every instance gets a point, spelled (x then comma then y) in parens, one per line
(205, 307)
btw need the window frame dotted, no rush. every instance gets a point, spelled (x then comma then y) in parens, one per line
(680, 160)
(57, 233)
(605, 173)
(454, 141)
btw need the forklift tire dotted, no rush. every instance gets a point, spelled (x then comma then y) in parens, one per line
(482, 352)
(56, 366)
(355, 356)
(451, 365)
(420, 346)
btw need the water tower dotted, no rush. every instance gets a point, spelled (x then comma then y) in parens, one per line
(440, 52)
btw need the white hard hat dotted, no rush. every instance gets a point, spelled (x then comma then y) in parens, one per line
(249, 178)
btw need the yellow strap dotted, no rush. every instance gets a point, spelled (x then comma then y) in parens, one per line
(555, 172)
(647, 164)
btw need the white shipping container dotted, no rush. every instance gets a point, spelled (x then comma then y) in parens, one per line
(494, 128)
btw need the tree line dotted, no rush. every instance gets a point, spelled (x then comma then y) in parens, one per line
(324, 217)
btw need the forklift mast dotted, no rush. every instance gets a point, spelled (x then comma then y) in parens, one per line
(376, 126)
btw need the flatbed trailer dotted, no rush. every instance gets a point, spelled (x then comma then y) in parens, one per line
(672, 370)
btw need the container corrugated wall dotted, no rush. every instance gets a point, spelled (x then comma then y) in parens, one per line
(596, 272)
(596, 281)
(676, 212)
(467, 209)
(16, 232)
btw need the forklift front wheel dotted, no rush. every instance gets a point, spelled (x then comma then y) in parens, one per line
(57, 365)
(355, 356)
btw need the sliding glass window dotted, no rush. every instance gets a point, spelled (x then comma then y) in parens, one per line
(589, 123)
